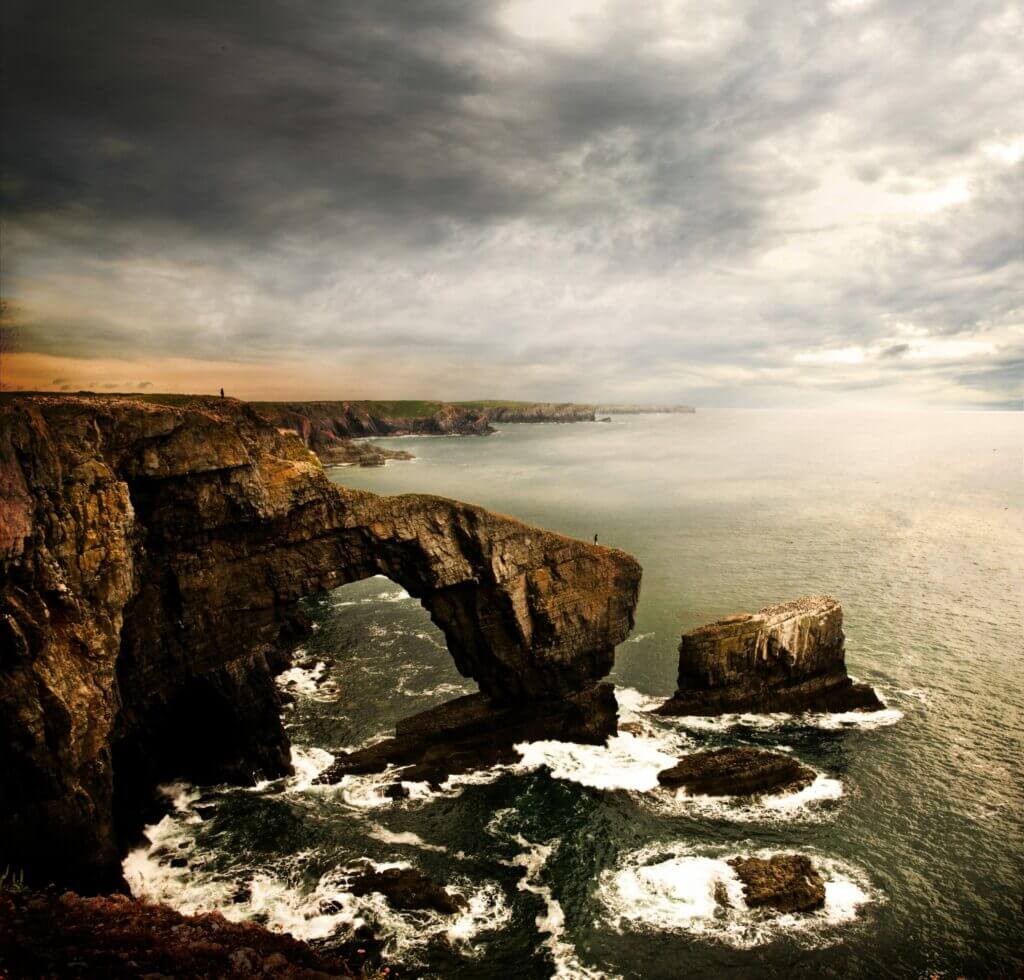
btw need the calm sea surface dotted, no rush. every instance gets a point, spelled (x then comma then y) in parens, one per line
(573, 862)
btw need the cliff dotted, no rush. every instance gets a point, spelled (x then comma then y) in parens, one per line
(151, 559)
(645, 410)
(789, 657)
(328, 427)
(498, 411)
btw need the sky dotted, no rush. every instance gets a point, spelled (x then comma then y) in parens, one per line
(728, 204)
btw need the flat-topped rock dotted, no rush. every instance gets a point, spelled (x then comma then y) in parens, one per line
(737, 772)
(789, 657)
(784, 882)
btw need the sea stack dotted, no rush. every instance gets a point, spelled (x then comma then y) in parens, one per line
(788, 657)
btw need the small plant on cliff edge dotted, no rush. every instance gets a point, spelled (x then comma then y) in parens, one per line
(12, 881)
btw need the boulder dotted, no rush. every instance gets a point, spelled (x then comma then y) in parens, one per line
(789, 657)
(784, 882)
(407, 889)
(737, 772)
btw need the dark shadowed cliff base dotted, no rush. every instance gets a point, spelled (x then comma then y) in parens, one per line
(152, 556)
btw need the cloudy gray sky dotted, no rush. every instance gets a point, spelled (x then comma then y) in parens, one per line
(727, 203)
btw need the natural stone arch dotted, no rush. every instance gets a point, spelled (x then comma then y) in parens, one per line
(152, 561)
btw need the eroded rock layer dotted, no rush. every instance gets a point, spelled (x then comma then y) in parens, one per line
(789, 657)
(151, 558)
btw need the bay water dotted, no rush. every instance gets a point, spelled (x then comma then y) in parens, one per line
(573, 862)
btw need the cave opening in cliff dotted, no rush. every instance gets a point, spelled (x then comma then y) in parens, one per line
(351, 662)
(374, 655)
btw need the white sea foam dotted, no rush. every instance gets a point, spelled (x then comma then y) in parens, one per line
(303, 680)
(866, 720)
(829, 721)
(551, 922)
(640, 637)
(287, 906)
(676, 888)
(803, 805)
(404, 838)
(366, 792)
(635, 706)
(308, 763)
(626, 761)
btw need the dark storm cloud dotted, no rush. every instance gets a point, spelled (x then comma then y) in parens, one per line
(669, 197)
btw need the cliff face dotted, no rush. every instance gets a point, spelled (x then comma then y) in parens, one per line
(789, 657)
(151, 557)
(539, 412)
(328, 427)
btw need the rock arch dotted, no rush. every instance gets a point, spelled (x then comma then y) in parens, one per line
(152, 556)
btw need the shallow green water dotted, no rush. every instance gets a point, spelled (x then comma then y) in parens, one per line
(914, 521)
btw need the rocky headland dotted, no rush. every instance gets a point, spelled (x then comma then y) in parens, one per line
(334, 430)
(151, 559)
(789, 657)
(331, 428)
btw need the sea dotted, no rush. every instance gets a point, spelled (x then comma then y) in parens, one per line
(573, 862)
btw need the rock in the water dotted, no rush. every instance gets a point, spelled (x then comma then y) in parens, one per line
(472, 733)
(407, 889)
(152, 554)
(784, 882)
(737, 772)
(789, 657)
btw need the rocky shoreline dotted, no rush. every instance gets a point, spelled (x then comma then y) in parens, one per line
(152, 558)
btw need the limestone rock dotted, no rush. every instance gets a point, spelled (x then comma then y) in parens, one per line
(784, 882)
(737, 772)
(151, 557)
(789, 657)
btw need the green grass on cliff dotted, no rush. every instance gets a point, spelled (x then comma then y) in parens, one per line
(495, 403)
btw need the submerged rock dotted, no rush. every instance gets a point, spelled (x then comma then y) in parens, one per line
(784, 882)
(737, 772)
(789, 657)
(407, 889)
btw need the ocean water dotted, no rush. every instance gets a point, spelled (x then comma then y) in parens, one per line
(574, 862)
